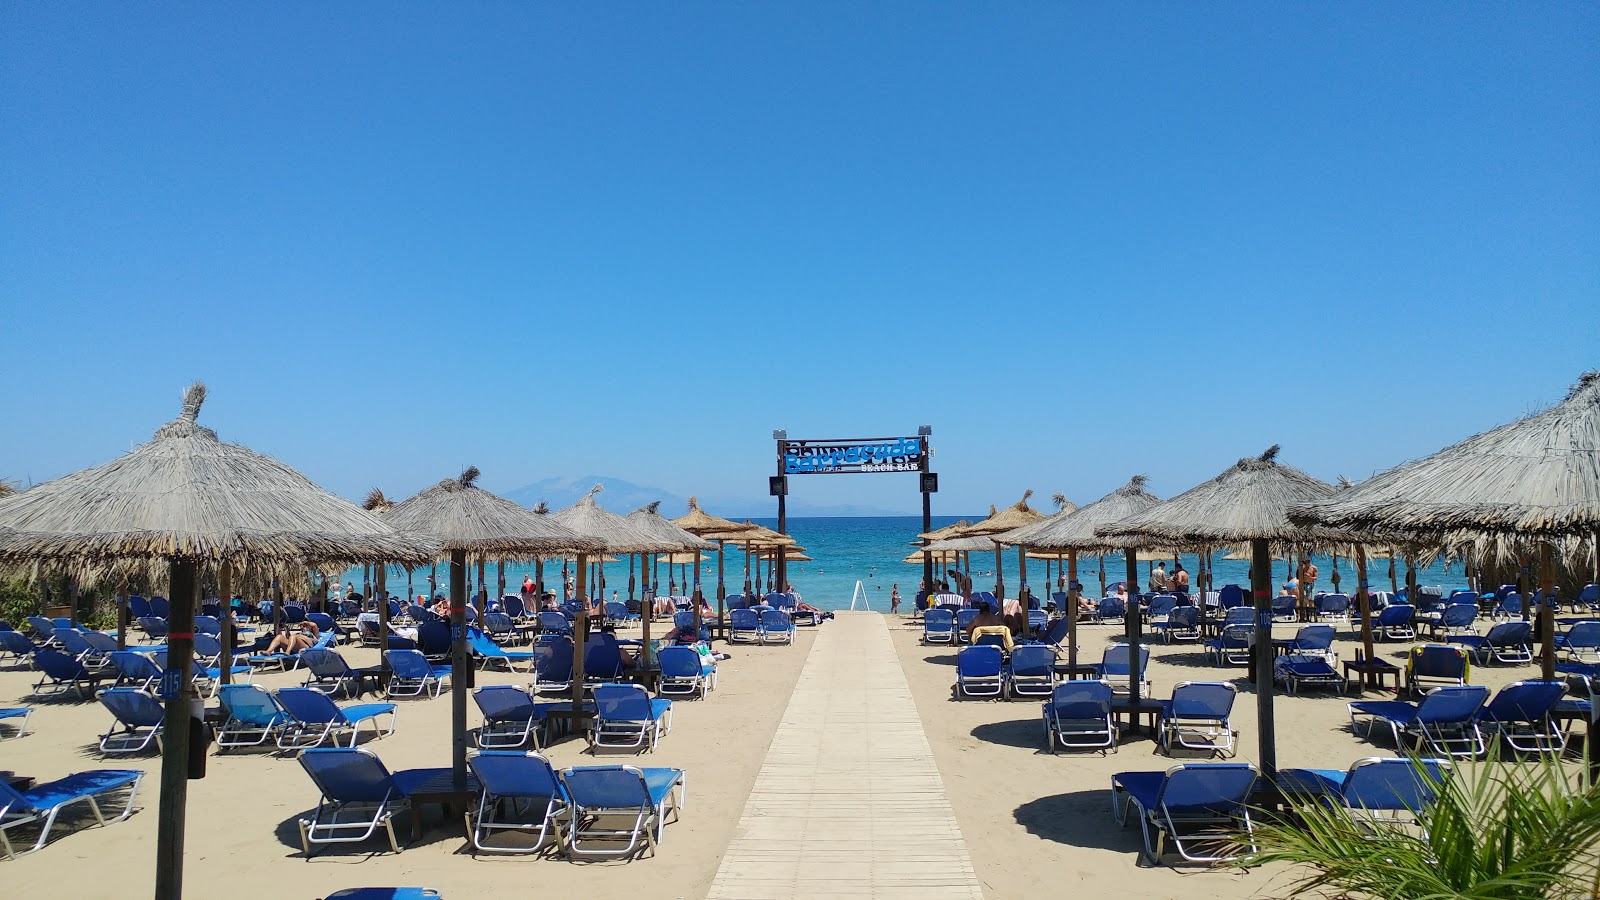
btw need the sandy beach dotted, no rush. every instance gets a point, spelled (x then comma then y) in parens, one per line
(1032, 822)
(242, 837)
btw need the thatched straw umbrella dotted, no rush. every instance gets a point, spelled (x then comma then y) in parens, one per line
(189, 499)
(1074, 533)
(1248, 502)
(614, 534)
(1009, 519)
(670, 539)
(468, 520)
(713, 528)
(1535, 481)
(753, 538)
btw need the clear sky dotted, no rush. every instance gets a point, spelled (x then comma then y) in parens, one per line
(1079, 240)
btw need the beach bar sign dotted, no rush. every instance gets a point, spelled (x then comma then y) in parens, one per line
(896, 454)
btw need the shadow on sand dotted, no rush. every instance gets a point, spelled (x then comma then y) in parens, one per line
(1079, 819)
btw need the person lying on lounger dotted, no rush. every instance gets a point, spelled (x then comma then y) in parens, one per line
(292, 640)
(987, 621)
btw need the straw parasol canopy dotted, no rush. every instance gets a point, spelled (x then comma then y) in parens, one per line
(1536, 478)
(1023, 534)
(1249, 501)
(698, 521)
(669, 538)
(916, 558)
(1076, 530)
(939, 534)
(462, 516)
(188, 495)
(970, 544)
(615, 533)
(189, 499)
(759, 537)
(1012, 517)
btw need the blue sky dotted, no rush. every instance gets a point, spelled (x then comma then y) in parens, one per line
(633, 238)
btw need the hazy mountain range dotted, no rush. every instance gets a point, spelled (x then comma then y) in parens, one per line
(621, 496)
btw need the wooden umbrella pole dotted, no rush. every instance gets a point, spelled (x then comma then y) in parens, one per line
(225, 589)
(177, 724)
(538, 584)
(647, 608)
(1364, 605)
(383, 620)
(999, 574)
(460, 668)
(630, 576)
(1022, 580)
(500, 575)
(1261, 589)
(1523, 584)
(722, 585)
(694, 595)
(1072, 609)
(1102, 558)
(580, 641)
(122, 614)
(1547, 613)
(1394, 586)
(1133, 623)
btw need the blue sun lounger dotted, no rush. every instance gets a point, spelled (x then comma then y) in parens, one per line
(1521, 714)
(328, 673)
(137, 718)
(510, 717)
(60, 673)
(776, 627)
(1078, 717)
(488, 652)
(1507, 642)
(1581, 643)
(522, 795)
(1446, 721)
(313, 719)
(684, 673)
(744, 626)
(1302, 671)
(627, 717)
(359, 795)
(384, 893)
(604, 796)
(254, 717)
(980, 671)
(1382, 789)
(411, 675)
(1197, 717)
(552, 666)
(43, 803)
(1031, 671)
(939, 627)
(17, 645)
(1197, 802)
(10, 713)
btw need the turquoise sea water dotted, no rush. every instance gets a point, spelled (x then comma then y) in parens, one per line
(870, 550)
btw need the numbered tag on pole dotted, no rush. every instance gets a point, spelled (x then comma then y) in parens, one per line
(171, 685)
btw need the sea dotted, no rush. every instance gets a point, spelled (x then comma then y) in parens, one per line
(860, 560)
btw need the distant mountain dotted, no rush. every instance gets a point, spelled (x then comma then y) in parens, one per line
(622, 497)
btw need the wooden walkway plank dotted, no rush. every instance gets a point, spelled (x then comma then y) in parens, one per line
(848, 802)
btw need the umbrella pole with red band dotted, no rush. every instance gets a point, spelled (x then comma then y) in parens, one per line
(1261, 589)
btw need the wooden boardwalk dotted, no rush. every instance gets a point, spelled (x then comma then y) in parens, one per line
(848, 802)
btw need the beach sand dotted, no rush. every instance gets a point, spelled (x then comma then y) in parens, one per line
(1036, 825)
(242, 840)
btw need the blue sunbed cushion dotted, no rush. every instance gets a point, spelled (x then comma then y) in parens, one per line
(366, 710)
(1143, 787)
(660, 781)
(1311, 781)
(1386, 709)
(659, 707)
(76, 787)
(15, 711)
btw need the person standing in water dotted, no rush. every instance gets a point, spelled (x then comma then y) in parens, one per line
(894, 600)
